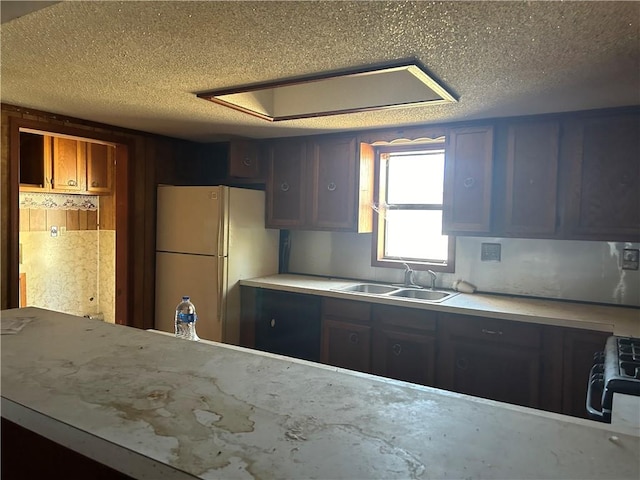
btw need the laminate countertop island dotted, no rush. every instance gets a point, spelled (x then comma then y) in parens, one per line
(153, 406)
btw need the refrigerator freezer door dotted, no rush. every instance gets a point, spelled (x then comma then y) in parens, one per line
(193, 275)
(189, 209)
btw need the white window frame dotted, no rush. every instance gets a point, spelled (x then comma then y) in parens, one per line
(378, 258)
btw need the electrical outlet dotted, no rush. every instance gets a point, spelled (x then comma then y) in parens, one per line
(630, 259)
(62, 230)
(54, 230)
(490, 252)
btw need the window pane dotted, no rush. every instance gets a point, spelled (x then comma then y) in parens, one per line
(415, 234)
(415, 178)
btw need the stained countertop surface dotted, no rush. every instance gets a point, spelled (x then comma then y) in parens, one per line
(153, 406)
(624, 321)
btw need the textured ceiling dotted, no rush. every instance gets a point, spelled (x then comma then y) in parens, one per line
(138, 64)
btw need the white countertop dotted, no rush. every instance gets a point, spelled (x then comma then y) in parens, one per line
(624, 321)
(153, 406)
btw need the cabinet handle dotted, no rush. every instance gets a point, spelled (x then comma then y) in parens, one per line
(462, 363)
(284, 186)
(71, 183)
(468, 182)
(272, 323)
(397, 349)
(331, 186)
(353, 338)
(246, 162)
(491, 332)
(94, 183)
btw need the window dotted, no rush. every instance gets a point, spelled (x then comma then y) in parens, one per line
(408, 226)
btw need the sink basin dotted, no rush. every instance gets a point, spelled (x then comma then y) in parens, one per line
(427, 295)
(373, 288)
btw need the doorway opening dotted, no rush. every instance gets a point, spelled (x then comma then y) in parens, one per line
(70, 206)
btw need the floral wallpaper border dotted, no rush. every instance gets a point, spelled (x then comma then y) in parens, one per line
(58, 201)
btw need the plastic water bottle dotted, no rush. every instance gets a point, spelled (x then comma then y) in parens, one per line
(185, 320)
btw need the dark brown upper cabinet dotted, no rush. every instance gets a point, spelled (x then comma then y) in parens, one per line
(320, 183)
(286, 184)
(468, 180)
(244, 159)
(531, 196)
(602, 161)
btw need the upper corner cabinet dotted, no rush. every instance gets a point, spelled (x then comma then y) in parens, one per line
(468, 180)
(602, 156)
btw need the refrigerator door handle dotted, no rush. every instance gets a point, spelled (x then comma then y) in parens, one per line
(220, 291)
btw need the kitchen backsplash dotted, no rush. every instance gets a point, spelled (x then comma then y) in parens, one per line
(560, 269)
(68, 261)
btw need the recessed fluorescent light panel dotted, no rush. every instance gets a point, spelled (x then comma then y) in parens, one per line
(400, 85)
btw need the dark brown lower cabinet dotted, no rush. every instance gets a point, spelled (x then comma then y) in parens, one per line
(529, 364)
(501, 360)
(578, 350)
(346, 334)
(288, 324)
(404, 344)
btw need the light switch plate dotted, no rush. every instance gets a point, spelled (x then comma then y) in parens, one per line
(490, 252)
(630, 259)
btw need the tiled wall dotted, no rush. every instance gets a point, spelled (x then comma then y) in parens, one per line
(73, 272)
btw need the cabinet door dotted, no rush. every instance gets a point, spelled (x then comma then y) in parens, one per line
(467, 181)
(603, 156)
(404, 356)
(289, 325)
(404, 345)
(100, 165)
(244, 159)
(532, 176)
(286, 188)
(35, 162)
(68, 164)
(486, 370)
(333, 183)
(580, 346)
(491, 358)
(346, 345)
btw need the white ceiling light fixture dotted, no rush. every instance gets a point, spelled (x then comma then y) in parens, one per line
(400, 84)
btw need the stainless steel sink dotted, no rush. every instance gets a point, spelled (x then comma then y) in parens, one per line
(427, 295)
(372, 288)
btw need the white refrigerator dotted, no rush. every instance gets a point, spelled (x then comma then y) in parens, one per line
(207, 240)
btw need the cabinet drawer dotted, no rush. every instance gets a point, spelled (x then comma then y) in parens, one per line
(348, 310)
(405, 318)
(491, 330)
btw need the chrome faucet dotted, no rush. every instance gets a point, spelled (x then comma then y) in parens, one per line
(409, 276)
(433, 276)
